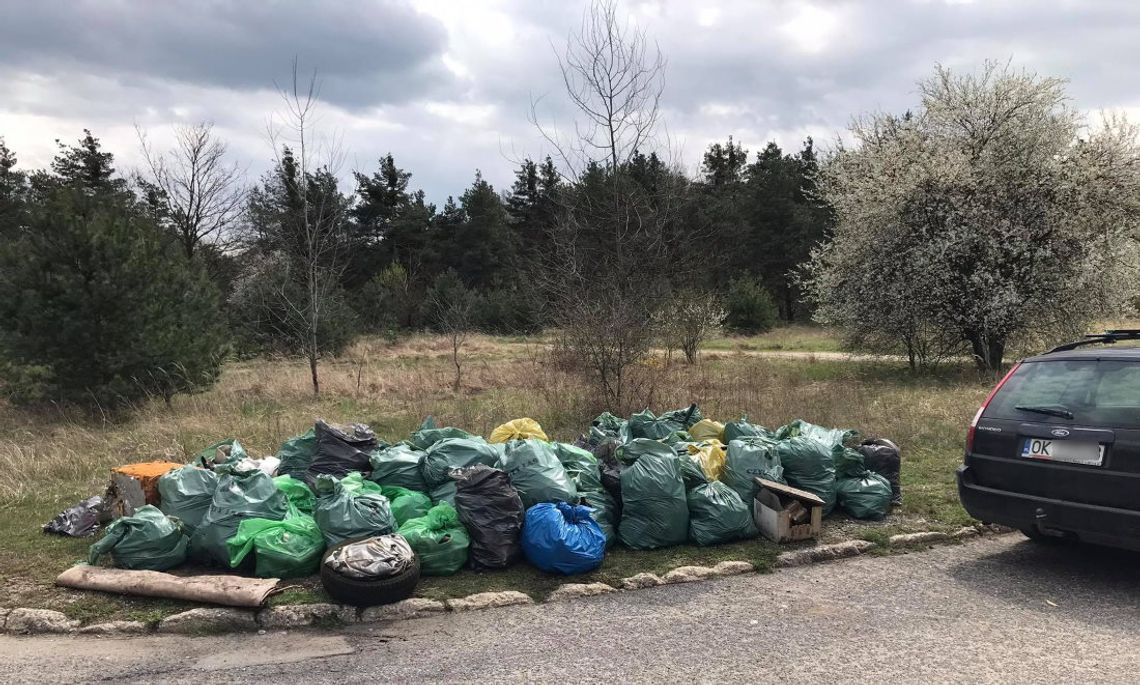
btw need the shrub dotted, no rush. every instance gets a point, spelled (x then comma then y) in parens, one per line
(101, 308)
(750, 308)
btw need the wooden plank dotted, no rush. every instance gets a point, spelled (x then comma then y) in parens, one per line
(795, 493)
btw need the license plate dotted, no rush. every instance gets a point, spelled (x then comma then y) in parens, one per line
(1069, 451)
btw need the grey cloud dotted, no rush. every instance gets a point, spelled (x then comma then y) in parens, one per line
(373, 52)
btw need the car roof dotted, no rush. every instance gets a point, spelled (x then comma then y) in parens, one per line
(1107, 352)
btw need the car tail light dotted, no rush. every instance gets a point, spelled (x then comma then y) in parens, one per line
(974, 424)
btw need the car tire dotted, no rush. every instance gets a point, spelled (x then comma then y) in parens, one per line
(365, 592)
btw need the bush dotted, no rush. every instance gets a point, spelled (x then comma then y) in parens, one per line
(267, 313)
(100, 308)
(689, 319)
(750, 308)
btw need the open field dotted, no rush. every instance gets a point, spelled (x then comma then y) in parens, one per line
(48, 462)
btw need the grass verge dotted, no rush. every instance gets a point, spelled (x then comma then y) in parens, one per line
(48, 462)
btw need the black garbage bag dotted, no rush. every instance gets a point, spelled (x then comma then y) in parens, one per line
(492, 512)
(79, 521)
(808, 466)
(882, 456)
(536, 473)
(610, 469)
(654, 511)
(341, 450)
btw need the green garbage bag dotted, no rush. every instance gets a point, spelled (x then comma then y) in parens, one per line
(829, 436)
(399, 466)
(654, 510)
(749, 458)
(457, 453)
(606, 425)
(240, 495)
(687, 417)
(717, 514)
(444, 492)
(429, 434)
(691, 472)
(646, 424)
(581, 466)
(225, 452)
(633, 450)
(862, 493)
(186, 494)
(536, 473)
(808, 466)
(297, 453)
(604, 510)
(351, 508)
(298, 493)
(406, 504)
(149, 540)
(741, 428)
(439, 539)
(289, 548)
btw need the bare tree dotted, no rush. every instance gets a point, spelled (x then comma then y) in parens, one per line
(200, 193)
(297, 218)
(614, 77)
(452, 310)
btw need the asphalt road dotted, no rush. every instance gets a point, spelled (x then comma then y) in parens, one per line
(994, 610)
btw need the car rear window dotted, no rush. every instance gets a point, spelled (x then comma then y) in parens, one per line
(1097, 393)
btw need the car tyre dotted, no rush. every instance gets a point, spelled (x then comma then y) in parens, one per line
(369, 592)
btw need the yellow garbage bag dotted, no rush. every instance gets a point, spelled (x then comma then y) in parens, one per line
(519, 429)
(711, 455)
(707, 429)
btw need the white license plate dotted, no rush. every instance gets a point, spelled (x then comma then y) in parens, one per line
(1069, 451)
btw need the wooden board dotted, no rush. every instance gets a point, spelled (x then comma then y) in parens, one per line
(795, 493)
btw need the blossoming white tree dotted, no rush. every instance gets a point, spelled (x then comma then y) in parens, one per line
(992, 213)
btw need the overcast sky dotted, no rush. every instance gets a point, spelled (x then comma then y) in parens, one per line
(446, 85)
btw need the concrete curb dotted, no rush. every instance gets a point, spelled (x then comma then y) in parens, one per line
(211, 620)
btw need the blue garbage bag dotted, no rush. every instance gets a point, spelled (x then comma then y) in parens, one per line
(563, 538)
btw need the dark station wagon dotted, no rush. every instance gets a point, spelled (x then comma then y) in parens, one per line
(1055, 449)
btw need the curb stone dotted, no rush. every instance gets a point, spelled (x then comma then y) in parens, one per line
(641, 581)
(733, 568)
(840, 550)
(488, 600)
(28, 621)
(576, 590)
(115, 628)
(415, 607)
(917, 538)
(688, 574)
(4, 618)
(208, 621)
(967, 532)
(301, 615)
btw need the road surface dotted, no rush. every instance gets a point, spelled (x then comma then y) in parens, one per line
(994, 610)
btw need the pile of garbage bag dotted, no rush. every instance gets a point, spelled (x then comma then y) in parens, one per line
(455, 500)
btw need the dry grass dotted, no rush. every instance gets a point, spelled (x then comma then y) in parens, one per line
(48, 462)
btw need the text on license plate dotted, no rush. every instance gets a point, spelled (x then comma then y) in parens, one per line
(1070, 451)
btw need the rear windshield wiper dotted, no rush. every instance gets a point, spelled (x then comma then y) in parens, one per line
(1050, 411)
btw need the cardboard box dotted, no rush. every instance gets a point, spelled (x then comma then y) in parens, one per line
(776, 504)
